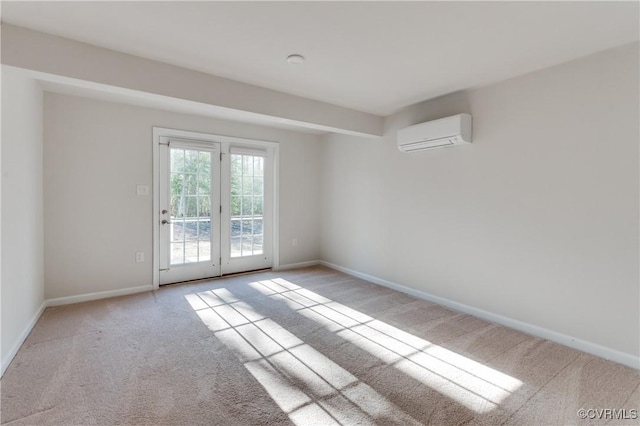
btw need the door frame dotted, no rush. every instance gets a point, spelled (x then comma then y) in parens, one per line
(225, 143)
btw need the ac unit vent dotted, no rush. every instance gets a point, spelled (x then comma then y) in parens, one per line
(449, 131)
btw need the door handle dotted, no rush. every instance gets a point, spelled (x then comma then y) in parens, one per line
(165, 222)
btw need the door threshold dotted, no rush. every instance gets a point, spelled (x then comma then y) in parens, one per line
(234, 274)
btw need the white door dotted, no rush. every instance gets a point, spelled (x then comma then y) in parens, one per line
(215, 207)
(189, 210)
(247, 208)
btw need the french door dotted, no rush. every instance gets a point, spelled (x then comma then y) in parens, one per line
(215, 211)
(247, 210)
(190, 214)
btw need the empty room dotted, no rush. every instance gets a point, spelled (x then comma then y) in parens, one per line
(320, 213)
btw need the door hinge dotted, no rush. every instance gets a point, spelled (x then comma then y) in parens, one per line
(220, 262)
(221, 208)
(220, 156)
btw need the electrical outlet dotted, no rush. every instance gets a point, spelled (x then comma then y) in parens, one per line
(139, 257)
(294, 242)
(142, 189)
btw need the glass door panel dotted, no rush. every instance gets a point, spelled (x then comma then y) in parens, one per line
(247, 201)
(190, 183)
(190, 190)
(244, 238)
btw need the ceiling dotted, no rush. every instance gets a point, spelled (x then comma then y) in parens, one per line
(376, 57)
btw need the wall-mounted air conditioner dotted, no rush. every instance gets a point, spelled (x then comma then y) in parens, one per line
(449, 131)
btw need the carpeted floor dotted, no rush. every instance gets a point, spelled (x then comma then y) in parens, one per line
(308, 346)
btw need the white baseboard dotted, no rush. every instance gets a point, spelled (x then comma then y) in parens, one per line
(297, 265)
(630, 360)
(65, 301)
(23, 336)
(97, 296)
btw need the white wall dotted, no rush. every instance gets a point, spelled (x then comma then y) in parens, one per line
(22, 211)
(97, 152)
(536, 221)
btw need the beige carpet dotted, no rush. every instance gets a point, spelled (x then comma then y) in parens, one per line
(309, 346)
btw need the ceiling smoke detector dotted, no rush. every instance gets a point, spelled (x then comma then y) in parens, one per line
(295, 59)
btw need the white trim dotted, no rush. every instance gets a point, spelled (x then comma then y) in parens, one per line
(65, 301)
(23, 336)
(297, 265)
(629, 360)
(275, 254)
(176, 133)
(97, 295)
(255, 151)
(155, 170)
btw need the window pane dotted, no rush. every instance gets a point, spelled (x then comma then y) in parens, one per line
(177, 231)
(204, 184)
(177, 207)
(236, 165)
(236, 185)
(204, 230)
(258, 186)
(257, 206)
(247, 206)
(257, 227)
(247, 237)
(192, 184)
(192, 207)
(177, 160)
(247, 165)
(190, 229)
(177, 253)
(247, 185)
(204, 163)
(258, 166)
(191, 161)
(247, 242)
(177, 191)
(235, 206)
(247, 227)
(236, 228)
(191, 251)
(247, 202)
(204, 206)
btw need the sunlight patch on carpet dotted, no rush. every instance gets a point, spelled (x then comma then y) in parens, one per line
(470, 383)
(306, 385)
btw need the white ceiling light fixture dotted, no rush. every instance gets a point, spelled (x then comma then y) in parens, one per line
(295, 59)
